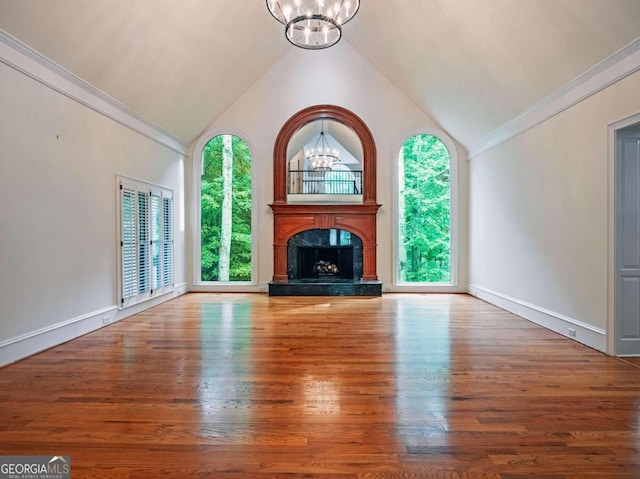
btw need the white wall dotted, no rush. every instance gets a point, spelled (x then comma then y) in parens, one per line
(58, 241)
(338, 76)
(539, 216)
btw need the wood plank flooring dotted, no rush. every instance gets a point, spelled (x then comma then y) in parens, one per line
(245, 386)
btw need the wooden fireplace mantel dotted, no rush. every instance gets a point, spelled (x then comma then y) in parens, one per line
(290, 219)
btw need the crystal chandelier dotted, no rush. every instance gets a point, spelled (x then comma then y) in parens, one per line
(322, 157)
(313, 24)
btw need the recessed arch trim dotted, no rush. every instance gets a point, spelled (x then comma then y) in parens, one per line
(437, 132)
(328, 112)
(210, 134)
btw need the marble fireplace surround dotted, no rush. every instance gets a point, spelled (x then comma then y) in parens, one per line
(291, 219)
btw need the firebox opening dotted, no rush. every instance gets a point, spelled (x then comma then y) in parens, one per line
(324, 255)
(325, 262)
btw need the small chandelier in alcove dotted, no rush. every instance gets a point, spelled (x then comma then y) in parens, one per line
(322, 157)
(313, 24)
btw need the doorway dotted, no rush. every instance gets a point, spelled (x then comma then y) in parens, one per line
(626, 281)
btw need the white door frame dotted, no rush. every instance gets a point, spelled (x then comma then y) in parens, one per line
(611, 225)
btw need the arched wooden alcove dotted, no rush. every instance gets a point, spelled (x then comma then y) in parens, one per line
(290, 219)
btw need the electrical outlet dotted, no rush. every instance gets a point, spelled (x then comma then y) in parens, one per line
(106, 320)
(572, 332)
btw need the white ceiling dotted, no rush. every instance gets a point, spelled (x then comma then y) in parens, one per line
(471, 64)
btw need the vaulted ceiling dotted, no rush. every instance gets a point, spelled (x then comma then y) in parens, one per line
(470, 64)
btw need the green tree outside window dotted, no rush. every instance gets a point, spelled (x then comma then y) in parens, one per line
(424, 211)
(226, 210)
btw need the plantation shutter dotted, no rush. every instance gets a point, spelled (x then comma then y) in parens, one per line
(128, 242)
(156, 240)
(167, 234)
(146, 241)
(143, 242)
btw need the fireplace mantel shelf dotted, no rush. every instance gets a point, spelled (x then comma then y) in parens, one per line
(297, 209)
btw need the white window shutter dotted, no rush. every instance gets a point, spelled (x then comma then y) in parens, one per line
(128, 243)
(146, 241)
(143, 243)
(167, 234)
(156, 240)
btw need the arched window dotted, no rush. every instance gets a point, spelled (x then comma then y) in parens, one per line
(225, 210)
(424, 212)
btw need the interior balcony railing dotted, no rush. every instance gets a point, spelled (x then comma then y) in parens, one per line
(329, 182)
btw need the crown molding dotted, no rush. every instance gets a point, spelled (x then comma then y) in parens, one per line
(28, 61)
(614, 68)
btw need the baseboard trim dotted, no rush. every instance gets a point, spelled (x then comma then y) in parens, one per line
(424, 288)
(228, 288)
(178, 290)
(584, 333)
(28, 344)
(20, 347)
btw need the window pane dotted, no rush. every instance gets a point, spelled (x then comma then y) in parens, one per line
(226, 210)
(424, 211)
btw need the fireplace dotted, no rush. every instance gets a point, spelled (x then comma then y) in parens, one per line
(324, 255)
(325, 247)
(326, 263)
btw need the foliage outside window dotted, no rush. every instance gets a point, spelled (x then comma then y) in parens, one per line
(226, 210)
(424, 251)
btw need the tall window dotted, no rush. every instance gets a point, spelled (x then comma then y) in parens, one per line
(146, 240)
(225, 214)
(424, 210)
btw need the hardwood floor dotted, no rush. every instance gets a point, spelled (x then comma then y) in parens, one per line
(404, 386)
